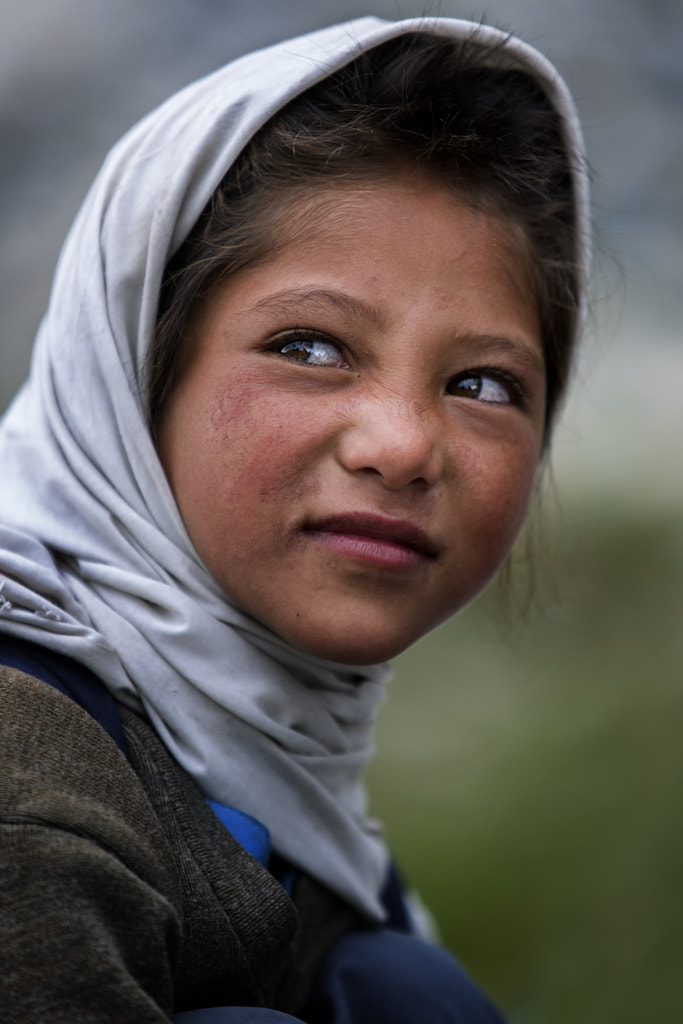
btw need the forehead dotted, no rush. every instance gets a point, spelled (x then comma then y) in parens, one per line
(400, 258)
(410, 230)
(349, 223)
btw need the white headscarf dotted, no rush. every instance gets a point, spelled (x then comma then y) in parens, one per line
(95, 562)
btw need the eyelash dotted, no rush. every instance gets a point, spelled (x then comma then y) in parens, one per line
(304, 334)
(515, 387)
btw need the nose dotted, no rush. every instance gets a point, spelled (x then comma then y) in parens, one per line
(395, 440)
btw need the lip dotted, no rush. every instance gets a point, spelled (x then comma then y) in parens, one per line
(374, 538)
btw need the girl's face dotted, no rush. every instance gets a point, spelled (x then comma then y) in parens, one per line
(354, 435)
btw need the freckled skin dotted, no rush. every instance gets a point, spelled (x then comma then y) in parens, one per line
(259, 447)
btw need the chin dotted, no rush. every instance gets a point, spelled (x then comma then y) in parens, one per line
(362, 650)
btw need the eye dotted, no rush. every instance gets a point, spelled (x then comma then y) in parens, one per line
(313, 351)
(499, 388)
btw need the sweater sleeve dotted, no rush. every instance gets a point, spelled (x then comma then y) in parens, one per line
(89, 921)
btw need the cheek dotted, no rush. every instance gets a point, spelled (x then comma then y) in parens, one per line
(263, 445)
(508, 498)
(500, 486)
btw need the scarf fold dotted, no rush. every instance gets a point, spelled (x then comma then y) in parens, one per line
(95, 562)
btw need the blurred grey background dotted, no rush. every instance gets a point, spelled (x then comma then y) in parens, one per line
(531, 774)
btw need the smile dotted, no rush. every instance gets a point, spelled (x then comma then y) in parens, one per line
(375, 539)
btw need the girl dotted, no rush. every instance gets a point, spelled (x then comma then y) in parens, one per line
(304, 350)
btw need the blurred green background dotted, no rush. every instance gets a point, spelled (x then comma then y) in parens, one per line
(530, 776)
(530, 770)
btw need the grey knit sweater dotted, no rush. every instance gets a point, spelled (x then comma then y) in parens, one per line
(122, 897)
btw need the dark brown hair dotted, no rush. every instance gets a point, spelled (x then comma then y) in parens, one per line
(450, 110)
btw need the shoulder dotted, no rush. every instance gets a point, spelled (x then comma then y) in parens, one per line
(61, 769)
(68, 677)
(91, 915)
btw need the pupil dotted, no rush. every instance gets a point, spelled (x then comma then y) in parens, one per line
(298, 349)
(472, 385)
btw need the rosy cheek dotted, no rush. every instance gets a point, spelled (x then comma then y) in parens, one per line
(264, 443)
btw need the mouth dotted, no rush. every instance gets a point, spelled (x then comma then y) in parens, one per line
(379, 540)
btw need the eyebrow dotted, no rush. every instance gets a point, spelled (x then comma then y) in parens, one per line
(516, 346)
(296, 301)
(318, 299)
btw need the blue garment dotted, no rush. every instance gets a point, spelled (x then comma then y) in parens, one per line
(389, 977)
(249, 833)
